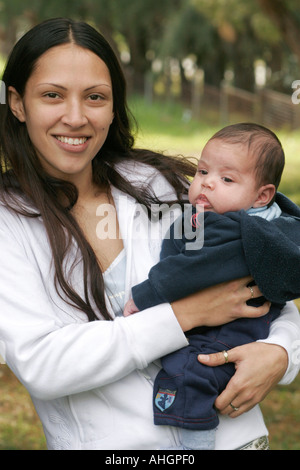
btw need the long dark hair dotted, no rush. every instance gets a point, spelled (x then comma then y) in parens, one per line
(22, 174)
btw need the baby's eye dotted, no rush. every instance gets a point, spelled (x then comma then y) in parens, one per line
(227, 180)
(202, 172)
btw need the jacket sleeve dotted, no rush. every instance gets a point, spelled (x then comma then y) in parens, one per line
(235, 245)
(275, 245)
(53, 359)
(183, 271)
(285, 332)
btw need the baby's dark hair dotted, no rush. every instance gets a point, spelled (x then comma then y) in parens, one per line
(263, 144)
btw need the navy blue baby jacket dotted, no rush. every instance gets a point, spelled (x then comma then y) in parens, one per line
(235, 245)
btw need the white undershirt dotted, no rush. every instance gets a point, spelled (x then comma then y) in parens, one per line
(114, 281)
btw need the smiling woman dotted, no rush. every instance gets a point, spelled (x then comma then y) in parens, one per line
(68, 109)
(67, 149)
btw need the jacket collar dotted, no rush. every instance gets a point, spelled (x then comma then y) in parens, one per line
(287, 206)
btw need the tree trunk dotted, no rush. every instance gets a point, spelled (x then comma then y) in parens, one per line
(285, 21)
(9, 37)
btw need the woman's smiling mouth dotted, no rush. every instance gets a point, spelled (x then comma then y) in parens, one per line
(71, 140)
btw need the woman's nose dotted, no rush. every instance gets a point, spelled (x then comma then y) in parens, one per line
(74, 115)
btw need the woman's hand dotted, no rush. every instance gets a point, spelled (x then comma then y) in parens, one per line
(218, 305)
(259, 367)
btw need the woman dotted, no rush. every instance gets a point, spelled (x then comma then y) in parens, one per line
(67, 154)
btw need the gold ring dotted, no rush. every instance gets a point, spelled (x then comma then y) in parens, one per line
(225, 353)
(234, 407)
(252, 292)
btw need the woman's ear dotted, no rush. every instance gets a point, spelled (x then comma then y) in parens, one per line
(16, 104)
(265, 195)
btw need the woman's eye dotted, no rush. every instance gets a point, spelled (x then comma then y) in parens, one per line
(95, 97)
(51, 95)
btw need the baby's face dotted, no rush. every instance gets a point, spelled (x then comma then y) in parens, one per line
(225, 179)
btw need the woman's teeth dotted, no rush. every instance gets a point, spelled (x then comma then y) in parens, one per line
(71, 141)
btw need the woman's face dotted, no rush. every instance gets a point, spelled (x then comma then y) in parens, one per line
(68, 108)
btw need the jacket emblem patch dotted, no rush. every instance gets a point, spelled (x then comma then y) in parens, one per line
(164, 399)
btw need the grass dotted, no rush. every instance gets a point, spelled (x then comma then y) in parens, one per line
(20, 427)
(166, 127)
(281, 410)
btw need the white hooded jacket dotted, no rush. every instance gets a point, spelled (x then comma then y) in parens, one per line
(91, 383)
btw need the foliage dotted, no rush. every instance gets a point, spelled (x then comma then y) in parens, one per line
(220, 35)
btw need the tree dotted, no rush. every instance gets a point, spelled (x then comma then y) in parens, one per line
(286, 16)
(218, 34)
(246, 35)
(142, 24)
(189, 32)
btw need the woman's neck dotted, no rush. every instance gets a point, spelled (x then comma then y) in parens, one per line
(86, 187)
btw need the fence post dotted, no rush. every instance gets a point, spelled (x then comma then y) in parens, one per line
(224, 111)
(197, 92)
(148, 88)
(259, 108)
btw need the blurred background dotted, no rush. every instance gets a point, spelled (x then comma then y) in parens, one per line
(192, 66)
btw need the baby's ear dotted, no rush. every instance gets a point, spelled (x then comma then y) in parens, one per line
(265, 195)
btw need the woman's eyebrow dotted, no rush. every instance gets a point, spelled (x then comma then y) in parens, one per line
(99, 84)
(52, 84)
(64, 88)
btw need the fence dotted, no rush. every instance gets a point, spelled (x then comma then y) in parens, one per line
(266, 107)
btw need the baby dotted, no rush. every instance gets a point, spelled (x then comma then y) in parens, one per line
(238, 175)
